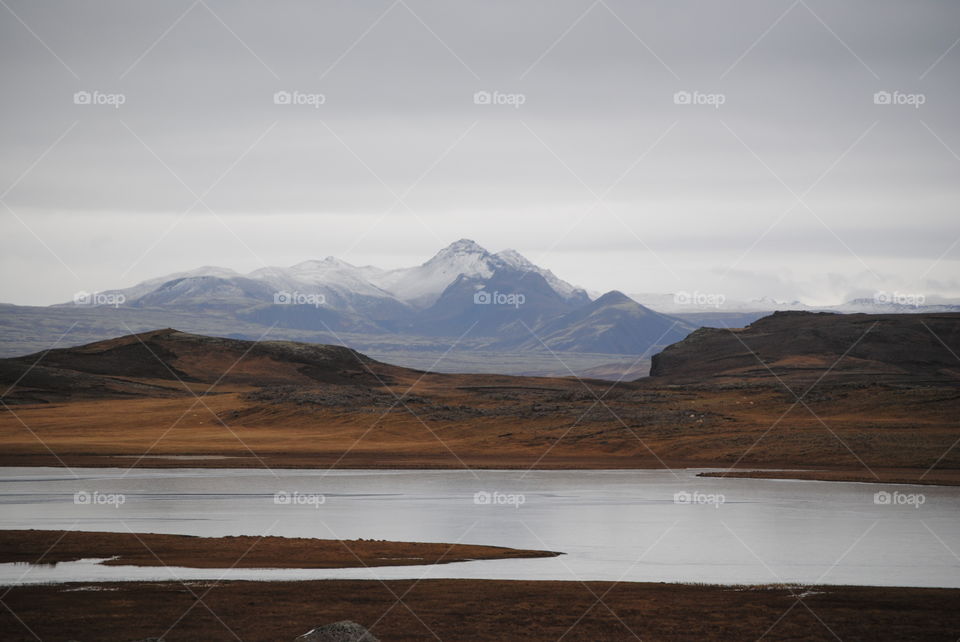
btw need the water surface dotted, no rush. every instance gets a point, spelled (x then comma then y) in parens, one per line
(612, 525)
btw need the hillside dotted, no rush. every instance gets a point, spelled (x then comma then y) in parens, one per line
(875, 405)
(614, 324)
(168, 362)
(805, 345)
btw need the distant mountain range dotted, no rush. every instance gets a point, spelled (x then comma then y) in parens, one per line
(464, 290)
(369, 291)
(482, 302)
(881, 303)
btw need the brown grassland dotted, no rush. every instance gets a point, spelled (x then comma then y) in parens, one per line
(865, 434)
(478, 610)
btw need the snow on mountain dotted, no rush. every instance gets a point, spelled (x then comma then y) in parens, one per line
(367, 288)
(561, 287)
(150, 285)
(892, 304)
(327, 274)
(884, 303)
(422, 285)
(206, 292)
(694, 301)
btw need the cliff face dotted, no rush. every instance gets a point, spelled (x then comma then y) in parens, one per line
(806, 345)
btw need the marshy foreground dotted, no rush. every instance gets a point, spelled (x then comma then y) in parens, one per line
(478, 610)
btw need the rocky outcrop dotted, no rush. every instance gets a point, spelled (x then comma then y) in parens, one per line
(343, 631)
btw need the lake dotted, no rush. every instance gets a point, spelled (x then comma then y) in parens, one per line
(646, 525)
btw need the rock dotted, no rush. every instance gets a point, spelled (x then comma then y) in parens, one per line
(343, 631)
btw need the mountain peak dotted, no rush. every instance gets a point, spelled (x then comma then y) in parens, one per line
(514, 258)
(463, 246)
(328, 262)
(613, 297)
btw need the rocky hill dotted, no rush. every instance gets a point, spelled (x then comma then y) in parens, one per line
(808, 345)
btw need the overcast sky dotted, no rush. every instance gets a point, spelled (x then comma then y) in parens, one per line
(781, 176)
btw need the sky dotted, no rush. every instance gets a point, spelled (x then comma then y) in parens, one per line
(798, 149)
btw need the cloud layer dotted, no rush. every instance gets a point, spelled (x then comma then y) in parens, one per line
(759, 148)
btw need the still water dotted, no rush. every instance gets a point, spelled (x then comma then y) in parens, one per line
(612, 525)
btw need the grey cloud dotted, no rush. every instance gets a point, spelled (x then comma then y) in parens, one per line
(399, 108)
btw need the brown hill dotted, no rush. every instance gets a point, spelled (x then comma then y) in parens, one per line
(792, 346)
(168, 362)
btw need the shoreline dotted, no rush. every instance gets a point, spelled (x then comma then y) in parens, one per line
(36, 546)
(403, 462)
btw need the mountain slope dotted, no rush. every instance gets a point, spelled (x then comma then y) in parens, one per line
(205, 292)
(503, 304)
(613, 324)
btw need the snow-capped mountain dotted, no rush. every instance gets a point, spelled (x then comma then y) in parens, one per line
(330, 272)
(422, 285)
(507, 303)
(150, 285)
(893, 304)
(695, 301)
(561, 287)
(351, 288)
(341, 285)
(382, 295)
(464, 295)
(205, 292)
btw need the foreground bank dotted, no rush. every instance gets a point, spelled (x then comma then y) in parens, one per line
(478, 610)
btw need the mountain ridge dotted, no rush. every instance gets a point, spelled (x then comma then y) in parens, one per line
(503, 299)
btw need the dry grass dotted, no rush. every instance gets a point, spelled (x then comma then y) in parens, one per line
(478, 610)
(488, 421)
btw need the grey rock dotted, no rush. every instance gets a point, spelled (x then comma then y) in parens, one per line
(343, 631)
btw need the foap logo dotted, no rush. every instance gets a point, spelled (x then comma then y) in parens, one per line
(296, 498)
(99, 298)
(495, 498)
(896, 498)
(298, 298)
(686, 498)
(899, 98)
(96, 498)
(299, 98)
(699, 98)
(98, 98)
(499, 98)
(900, 298)
(482, 297)
(702, 299)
